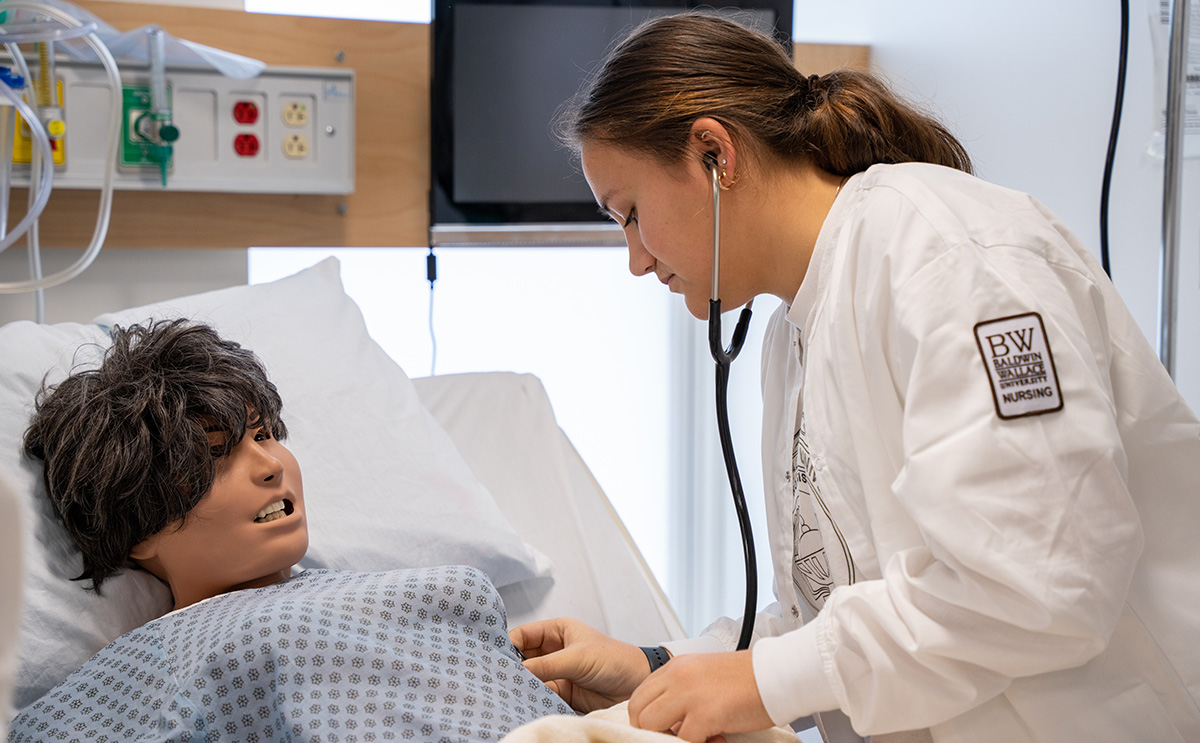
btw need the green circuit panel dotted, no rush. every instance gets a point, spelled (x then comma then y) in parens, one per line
(136, 150)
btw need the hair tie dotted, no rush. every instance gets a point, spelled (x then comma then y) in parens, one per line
(804, 96)
(816, 96)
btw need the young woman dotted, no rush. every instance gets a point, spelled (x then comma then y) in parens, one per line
(980, 481)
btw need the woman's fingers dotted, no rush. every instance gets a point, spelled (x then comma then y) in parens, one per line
(701, 696)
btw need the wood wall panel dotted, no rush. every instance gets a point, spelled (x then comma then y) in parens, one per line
(821, 58)
(388, 207)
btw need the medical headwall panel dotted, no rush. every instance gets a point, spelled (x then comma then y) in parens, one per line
(289, 130)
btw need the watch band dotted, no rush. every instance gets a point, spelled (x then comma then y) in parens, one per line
(657, 657)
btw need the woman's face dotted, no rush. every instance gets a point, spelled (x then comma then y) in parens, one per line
(666, 213)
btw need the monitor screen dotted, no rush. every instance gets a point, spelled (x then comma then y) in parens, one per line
(501, 71)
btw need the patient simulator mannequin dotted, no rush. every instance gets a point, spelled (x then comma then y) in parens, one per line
(169, 458)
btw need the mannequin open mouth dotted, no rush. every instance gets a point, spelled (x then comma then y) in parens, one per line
(275, 511)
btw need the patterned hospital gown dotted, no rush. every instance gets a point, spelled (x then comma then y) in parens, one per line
(411, 655)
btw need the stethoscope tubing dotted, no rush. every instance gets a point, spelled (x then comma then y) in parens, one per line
(724, 360)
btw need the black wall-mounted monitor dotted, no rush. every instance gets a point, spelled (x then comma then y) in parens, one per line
(501, 70)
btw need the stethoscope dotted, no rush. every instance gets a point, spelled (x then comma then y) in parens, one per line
(724, 359)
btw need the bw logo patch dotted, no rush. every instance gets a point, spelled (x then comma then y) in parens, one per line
(1020, 366)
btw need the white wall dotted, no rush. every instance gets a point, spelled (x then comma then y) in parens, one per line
(1028, 85)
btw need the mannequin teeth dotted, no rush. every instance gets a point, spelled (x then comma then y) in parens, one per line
(272, 512)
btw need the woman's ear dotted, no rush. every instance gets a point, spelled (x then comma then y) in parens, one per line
(715, 147)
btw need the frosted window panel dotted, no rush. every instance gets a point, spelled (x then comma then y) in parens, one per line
(596, 337)
(405, 11)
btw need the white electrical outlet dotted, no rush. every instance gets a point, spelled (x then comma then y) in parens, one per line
(295, 113)
(295, 146)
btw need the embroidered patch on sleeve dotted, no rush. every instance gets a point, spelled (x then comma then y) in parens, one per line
(1019, 365)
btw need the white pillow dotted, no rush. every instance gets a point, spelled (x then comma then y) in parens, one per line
(384, 485)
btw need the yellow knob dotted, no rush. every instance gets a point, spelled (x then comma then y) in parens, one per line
(56, 127)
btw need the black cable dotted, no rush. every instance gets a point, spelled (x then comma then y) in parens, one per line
(431, 275)
(1123, 59)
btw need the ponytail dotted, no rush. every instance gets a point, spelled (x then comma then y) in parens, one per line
(857, 121)
(673, 70)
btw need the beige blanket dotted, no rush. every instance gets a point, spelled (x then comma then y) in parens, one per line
(612, 726)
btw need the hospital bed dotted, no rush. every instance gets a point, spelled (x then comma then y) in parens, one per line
(468, 468)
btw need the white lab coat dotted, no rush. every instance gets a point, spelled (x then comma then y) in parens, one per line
(1030, 578)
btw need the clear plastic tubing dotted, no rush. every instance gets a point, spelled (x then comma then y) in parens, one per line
(105, 211)
(29, 33)
(47, 171)
(8, 116)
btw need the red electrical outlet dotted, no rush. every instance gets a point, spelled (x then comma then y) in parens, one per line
(245, 145)
(245, 112)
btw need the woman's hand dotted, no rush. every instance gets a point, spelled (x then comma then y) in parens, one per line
(701, 696)
(583, 666)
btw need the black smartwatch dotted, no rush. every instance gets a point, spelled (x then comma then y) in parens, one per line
(657, 657)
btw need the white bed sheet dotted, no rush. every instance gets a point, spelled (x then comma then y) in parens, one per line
(504, 426)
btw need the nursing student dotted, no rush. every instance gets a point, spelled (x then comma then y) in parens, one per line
(982, 486)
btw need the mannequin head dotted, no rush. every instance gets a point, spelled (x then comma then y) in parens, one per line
(164, 457)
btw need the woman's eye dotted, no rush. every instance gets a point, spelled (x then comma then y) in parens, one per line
(262, 435)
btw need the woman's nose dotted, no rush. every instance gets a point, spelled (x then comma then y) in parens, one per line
(640, 260)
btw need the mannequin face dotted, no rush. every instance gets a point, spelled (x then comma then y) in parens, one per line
(248, 531)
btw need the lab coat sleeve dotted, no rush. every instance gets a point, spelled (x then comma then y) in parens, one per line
(1025, 534)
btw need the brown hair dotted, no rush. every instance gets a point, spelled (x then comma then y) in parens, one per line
(670, 71)
(125, 446)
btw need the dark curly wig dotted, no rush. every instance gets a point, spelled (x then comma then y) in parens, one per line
(126, 445)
